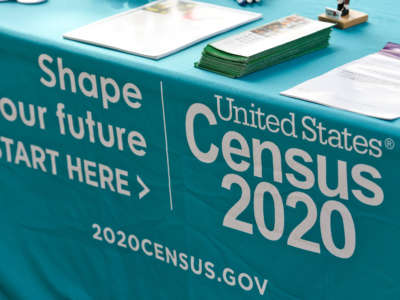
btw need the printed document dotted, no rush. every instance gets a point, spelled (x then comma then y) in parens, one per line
(369, 86)
(162, 27)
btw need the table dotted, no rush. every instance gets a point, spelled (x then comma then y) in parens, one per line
(127, 178)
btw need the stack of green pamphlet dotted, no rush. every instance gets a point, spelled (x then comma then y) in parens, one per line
(265, 46)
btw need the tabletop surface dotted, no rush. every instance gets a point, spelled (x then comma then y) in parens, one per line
(45, 23)
(48, 223)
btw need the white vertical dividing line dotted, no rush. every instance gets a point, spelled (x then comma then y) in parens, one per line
(166, 146)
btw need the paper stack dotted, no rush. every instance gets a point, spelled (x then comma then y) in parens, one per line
(369, 85)
(265, 46)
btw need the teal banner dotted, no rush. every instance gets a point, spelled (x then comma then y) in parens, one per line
(121, 178)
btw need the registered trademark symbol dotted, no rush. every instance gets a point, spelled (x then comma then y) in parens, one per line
(390, 144)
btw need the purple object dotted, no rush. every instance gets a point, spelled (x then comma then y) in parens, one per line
(391, 49)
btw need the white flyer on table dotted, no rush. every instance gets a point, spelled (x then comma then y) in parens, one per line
(162, 27)
(369, 86)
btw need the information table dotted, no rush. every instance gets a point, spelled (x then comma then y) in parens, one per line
(127, 178)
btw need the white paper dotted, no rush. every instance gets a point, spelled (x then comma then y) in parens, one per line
(162, 27)
(369, 86)
(270, 35)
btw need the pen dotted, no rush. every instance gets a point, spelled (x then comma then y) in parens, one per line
(244, 2)
(241, 2)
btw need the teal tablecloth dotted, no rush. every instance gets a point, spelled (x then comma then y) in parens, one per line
(165, 195)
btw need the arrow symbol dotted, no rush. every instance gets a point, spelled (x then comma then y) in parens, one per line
(145, 190)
